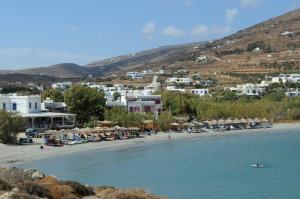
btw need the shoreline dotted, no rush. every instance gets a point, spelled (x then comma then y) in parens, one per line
(13, 155)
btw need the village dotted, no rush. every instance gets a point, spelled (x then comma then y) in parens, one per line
(51, 120)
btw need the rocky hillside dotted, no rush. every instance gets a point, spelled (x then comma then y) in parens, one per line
(64, 70)
(32, 184)
(270, 46)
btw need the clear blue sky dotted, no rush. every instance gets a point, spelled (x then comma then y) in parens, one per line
(44, 32)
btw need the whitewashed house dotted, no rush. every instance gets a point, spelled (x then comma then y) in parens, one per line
(144, 104)
(201, 91)
(247, 89)
(179, 80)
(135, 75)
(294, 78)
(293, 93)
(61, 85)
(29, 107)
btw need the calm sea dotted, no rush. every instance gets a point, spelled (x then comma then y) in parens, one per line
(206, 168)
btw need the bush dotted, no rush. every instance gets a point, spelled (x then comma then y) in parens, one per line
(35, 189)
(14, 175)
(79, 189)
(4, 186)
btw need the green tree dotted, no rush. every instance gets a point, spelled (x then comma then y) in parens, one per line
(116, 95)
(120, 116)
(85, 102)
(54, 94)
(10, 125)
(164, 120)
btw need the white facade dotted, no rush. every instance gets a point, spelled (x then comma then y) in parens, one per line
(144, 104)
(135, 75)
(295, 93)
(247, 89)
(20, 104)
(200, 92)
(179, 80)
(294, 78)
(61, 85)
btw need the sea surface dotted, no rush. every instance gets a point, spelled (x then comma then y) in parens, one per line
(207, 168)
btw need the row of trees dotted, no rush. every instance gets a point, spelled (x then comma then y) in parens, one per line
(273, 106)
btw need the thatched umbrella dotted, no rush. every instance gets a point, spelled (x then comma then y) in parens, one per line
(236, 121)
(265, 120)
(249, 120)
(213, 122)
(106, 123)
(174, 124)
(221, 121)
(257, 120)
(228, 121)
(243, 121)
(133, 129)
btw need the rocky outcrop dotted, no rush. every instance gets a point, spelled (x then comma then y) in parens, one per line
(33, 184)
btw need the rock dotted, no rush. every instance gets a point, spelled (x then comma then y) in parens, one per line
(37, 175)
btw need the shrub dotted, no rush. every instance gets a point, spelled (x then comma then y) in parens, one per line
(79, 189)
(14, 175)
(4, 185)
(35, 189)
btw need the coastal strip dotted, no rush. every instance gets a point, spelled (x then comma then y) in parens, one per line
(13, 155)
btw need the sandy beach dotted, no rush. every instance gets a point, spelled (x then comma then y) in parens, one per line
(12, 155)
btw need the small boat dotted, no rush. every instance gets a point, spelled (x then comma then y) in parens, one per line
(259, 165)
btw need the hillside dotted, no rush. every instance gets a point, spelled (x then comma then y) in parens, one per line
(278, 40)
(268, 47)
(64, 70)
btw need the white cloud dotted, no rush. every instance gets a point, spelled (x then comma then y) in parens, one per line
(200, 30)
(149, 29)
(231, 14)
(18, 58)
(173, 32)
(249, 3)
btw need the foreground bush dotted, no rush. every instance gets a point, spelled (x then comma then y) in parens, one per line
(79, 189)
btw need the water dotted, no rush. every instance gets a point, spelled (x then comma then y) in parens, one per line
(209, 168)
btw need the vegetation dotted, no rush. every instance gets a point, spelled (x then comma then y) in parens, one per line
(10, 125)
(164, 120)
(121, 117)
(116, 95)
(273, 106)
(261, 45)
(20, 90)
(85, 102)
(55, 94)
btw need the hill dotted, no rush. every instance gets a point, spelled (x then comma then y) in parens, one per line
(268, 47)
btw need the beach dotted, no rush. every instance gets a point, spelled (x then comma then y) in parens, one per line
(12, 155)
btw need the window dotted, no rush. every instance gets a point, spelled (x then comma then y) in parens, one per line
(29, 104)
(35, 105)
(4, 106)
(14, 106)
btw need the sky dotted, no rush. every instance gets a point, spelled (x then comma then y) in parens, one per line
(37, 33)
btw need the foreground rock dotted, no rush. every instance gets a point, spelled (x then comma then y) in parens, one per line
(33, 184)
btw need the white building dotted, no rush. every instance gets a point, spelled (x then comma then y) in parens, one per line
(29, 107)
(135, 75)
(179, 80)
(61, 85)
(200, 92)
(21, 104)
(294, 78)
(175, 89)
(294, 93)
(247, 89)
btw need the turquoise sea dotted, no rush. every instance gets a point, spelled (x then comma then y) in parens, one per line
(206, 168)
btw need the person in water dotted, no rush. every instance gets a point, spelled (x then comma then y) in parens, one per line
(169, 136)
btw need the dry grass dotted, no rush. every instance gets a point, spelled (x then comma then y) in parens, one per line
(113, 193)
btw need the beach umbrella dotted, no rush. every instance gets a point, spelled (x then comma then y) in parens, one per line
(221, 121)
(257, 120)
(228, 121)
(174, 124)
(133, 129)
(236, 121)
(242, 120)
(265, 120)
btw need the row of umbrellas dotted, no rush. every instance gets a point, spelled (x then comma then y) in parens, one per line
(236, 121)
(93, 130)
